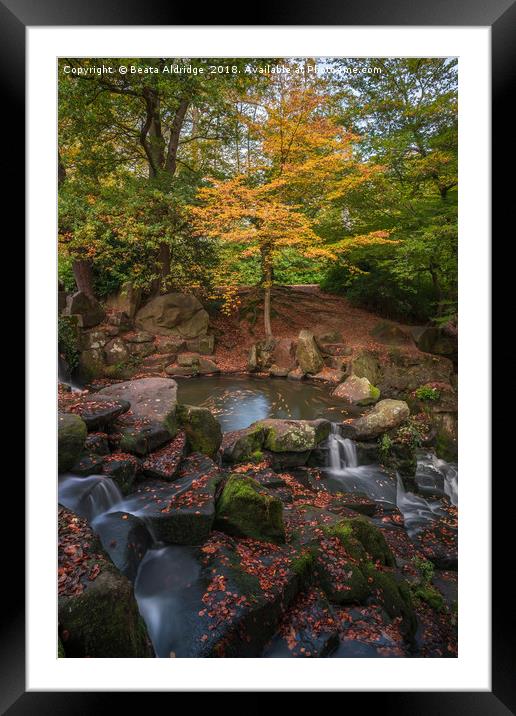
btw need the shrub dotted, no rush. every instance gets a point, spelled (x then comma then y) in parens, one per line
(426, 393)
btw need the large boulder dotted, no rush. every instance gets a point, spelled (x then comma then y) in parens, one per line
(90, 312)
(71, 434)
(435, 339)
(403, 372)
(151, 399)
(203, 433)
(261, 354)
(291, 439)
(182, 511)
(126, 538)
(174, 314)
(98, 614)
(386, 415)
(391, 334)
(127, 300)
(97, 412)
(246, 509)
(307, 353)
(294, 435)
(366, 364)
(357, 391)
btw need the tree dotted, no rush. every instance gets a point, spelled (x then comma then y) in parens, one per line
(144, 123)
(303, 160)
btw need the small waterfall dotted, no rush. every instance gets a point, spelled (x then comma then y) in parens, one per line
(451, 482)
(342, 451)
(89, 496)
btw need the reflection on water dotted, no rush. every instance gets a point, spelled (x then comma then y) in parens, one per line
(237, 402)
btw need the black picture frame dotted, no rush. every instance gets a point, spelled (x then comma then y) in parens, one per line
(15, 16)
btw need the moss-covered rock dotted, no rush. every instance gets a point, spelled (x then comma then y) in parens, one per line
(294, 435)
(394, 596)
(386, 415)
(372, 539)
(241, 445)
(104, 621)
(357, 391)
(71, 434)
(203, 433)
(430, 595)
(246, 509)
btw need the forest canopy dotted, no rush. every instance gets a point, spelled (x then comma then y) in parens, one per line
(202, 180)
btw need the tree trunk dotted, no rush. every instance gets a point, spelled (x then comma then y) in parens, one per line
(84, 277)
(267, 285)
(175, 132)
(163, 261)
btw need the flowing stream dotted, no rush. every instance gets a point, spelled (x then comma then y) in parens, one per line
(167, 575)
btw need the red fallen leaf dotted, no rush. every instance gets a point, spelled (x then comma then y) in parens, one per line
(65, 635)
(70, 550)
(94, 573)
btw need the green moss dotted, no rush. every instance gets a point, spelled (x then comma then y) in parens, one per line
(430, 595)
(71, 434)
(374, 393)
(245, 509)
(304, 563)
(368, 536)
(60, 650)
(394, 596)
(68, 340)
(203, 433)
(427, 394)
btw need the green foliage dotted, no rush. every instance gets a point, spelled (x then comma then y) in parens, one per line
(425, 570)
(384, 446)
(427, 394)
(67, 340)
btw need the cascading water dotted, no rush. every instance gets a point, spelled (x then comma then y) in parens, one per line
(90, 496)
(342, 451)
(435, 479)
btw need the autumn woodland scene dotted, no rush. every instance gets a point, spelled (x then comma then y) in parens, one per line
(257, 357)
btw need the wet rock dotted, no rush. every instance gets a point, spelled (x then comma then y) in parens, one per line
(164, 464)
(71, 434)
(122, 469)
(307, 353)
(225, 594)
(182, 371)
(180, 512)
(203, 344)
(91, 363)
(187, 360)
(174, 314)
(385, 415)
(97, 443)
(150, 398)
(142, 437)
(207, 366)
(357, 391)
(296, 374)
(203, 433)
(308, 629)
(243, 445)
(98, 413)
(97, 612)
(125, 538)
(88, 464)
(246, 509)
(90, 311)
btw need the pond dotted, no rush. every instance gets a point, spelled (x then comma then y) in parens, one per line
(238, 401)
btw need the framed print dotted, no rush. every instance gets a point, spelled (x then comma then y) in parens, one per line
(267, 358)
